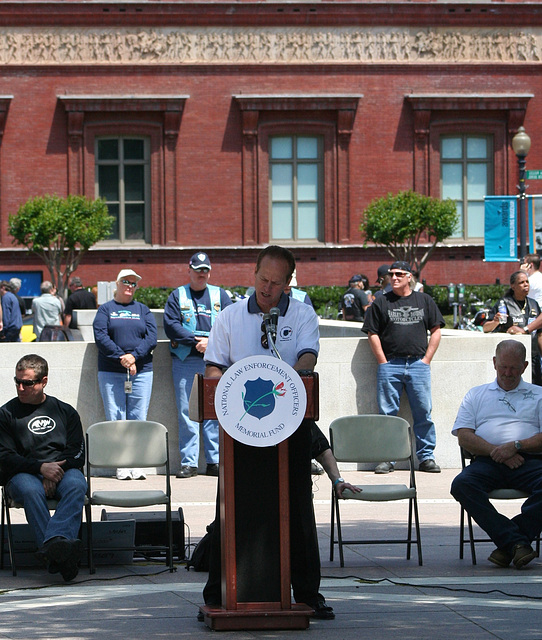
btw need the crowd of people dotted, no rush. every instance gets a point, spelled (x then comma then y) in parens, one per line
(499, 424)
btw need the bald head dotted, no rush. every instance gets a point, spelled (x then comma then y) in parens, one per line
(509, 363)
(513, 347)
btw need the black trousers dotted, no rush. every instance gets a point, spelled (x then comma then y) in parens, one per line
(257, 525)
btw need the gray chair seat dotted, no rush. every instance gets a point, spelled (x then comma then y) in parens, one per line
(380, 492)
(129, 499)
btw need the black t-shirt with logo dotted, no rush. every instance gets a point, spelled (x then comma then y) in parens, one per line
(32, 434)
(352, 303)
(402, 322)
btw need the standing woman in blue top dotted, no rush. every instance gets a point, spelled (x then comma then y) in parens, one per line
(125, 334)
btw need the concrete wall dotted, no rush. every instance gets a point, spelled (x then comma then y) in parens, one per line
(347, 379)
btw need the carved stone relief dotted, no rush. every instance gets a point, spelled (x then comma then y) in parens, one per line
(38, 46)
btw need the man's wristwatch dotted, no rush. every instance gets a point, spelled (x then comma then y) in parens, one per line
(517, 444)
(336, 482)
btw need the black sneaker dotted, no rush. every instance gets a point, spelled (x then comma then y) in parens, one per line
(63, 556)
(429, 466)
(187, 472)
(384, 467)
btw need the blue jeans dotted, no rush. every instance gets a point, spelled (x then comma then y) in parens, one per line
(119, 405)
(183, 376)
(414, 376)
(470, 489)
(27, 489)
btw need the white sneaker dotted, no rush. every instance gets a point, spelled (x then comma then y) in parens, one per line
(137, 474)
(124, 474)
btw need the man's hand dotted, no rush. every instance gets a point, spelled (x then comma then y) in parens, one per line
(515, 461)
(50, 488)
(341, 486)
(53, 471)
(201, 343)
(506, 452)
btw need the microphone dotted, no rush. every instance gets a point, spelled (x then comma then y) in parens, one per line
(275, 315)
(269, 324)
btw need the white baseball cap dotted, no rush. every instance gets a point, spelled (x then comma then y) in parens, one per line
(127, 272)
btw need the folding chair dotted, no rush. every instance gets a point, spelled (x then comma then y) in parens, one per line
(129, 443)
(498, 494)
(374, 438)
(7, 504)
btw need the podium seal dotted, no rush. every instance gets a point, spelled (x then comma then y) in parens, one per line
(260, 401)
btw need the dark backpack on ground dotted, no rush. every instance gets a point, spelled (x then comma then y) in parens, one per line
(199, 560)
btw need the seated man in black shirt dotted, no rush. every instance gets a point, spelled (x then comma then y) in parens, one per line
(42, 456)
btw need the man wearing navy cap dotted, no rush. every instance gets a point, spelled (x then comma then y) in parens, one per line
(188, 317)
(383, 279)
(397, 323)
(355, 301)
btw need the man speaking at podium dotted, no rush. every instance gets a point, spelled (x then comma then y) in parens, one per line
(237, 334)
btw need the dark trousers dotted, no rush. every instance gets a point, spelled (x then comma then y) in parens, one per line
(470, 489)
(257, 519)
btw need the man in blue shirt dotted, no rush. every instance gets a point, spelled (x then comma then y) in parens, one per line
(189, 314)
(12, 319)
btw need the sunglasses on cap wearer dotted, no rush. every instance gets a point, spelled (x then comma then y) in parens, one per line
(398, 274)
(129, 283)
(26, 383)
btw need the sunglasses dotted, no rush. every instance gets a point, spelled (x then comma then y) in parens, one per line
(129, 283)
(26, 383)
(398, 274)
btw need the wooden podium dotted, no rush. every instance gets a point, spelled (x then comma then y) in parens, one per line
(280, 613)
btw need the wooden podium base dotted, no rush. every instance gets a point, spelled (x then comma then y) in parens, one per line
(298, 617)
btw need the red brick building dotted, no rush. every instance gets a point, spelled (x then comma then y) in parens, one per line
(230, 125)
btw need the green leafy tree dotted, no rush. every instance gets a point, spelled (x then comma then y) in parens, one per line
(60, 231)
(409, 225)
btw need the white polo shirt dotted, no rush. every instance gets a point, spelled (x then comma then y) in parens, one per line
(500, 416)
(237, 332)
(535, 287)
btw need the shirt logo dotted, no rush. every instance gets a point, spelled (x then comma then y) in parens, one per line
(405, 315)
(126, 314)
(286, 333)
(40, 425)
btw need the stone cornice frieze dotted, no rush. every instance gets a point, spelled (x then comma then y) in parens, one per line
(273, 45)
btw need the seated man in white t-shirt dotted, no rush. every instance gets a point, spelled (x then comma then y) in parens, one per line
(500, 424)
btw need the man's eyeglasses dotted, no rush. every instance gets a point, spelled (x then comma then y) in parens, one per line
(203, 270)
(398, 274)
(129, 283)
(26, 383)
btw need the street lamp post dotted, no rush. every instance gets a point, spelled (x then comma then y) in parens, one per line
(521, 143)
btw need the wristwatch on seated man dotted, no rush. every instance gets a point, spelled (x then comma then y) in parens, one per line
(517, 444)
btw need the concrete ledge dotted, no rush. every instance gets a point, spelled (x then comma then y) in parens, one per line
(347, 379)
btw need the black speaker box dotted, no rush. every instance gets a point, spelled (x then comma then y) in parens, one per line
(151, 530)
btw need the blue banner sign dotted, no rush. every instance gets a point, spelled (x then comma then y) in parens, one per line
(500, 236)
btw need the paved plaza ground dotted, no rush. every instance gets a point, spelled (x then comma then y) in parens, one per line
(377, 595)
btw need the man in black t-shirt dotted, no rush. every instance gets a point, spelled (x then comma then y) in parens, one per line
(355, 301)
(79, 298)
(397, 323)
(42, 455)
